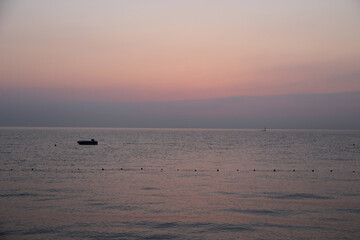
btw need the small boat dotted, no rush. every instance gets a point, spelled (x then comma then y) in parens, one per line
(264, 130)
(87, 142)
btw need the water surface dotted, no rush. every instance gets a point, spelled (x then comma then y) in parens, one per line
(179, 184)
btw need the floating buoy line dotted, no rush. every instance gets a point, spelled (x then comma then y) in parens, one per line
(153, 169)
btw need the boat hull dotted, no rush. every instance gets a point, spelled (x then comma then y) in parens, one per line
(86, 142)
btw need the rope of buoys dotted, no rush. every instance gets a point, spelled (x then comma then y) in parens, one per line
(195, 170)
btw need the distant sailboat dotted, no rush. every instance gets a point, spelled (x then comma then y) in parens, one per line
(264, 130)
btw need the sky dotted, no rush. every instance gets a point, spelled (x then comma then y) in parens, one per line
(137, 56)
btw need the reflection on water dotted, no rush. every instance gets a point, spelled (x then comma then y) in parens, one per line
(179, 184)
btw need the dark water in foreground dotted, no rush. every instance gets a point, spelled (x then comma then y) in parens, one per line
(179, 184)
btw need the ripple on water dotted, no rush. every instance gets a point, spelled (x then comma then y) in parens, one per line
(150, 188)
(123, 207)
(228, 227)
(24, 194)
(296, 196)
(263, 212)
(349, 210)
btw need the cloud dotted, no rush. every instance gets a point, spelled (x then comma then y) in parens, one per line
(314, 111)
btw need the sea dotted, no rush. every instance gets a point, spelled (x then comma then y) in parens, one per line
(179, 184)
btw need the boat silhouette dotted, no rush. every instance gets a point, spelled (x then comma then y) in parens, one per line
(87, 142)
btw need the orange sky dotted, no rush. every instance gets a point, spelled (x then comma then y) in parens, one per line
(179, 50)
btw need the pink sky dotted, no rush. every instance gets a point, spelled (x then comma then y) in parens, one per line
(179, 50)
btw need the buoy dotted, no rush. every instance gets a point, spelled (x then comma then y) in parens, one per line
(102, 169)
(274, 170)
(162, 169)
(217, 170)
(330, 170)
(195, 170)
(254, 169)
(11, 169)
(237, 170)
(293, 170)
(121, 168)
(313, 170)
(177, 169)
(32, 169)
(141, 168)
(55, 145)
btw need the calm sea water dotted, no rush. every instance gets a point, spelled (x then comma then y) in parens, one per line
(179, 184)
